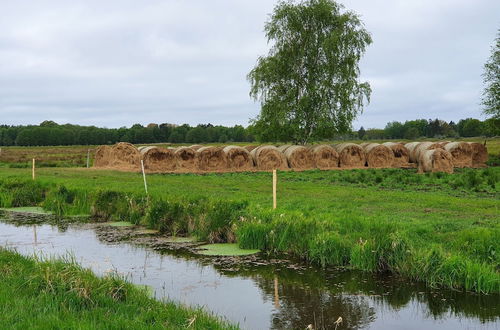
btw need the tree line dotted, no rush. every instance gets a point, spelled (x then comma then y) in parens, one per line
(49, 133)
(432, 128)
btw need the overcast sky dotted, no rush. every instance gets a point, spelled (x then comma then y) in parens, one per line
(116, 63)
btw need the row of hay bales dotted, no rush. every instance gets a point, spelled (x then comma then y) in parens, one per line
(429, 157)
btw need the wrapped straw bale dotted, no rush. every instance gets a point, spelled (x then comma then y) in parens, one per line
(126, 156)
(103, 156)
(299, 157)
(400, 152)
(158, 159)
(325, 157)
(284, 147)
(250, 148)
(211, 159)
(185, 159)
(350, 155)
(238, 158)
(443, 143)
(410, 147)
(435, 160)
(422, 146)
(479, 154)
(195, 147)
(269, 158)
(461, 153)
(378, 155)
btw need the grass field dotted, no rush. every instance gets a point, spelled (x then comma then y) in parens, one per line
(61, 295)
(439, 228)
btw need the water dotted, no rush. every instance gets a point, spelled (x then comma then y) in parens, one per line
(267, 296)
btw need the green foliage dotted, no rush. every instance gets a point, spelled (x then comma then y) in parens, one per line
(309, 84)
(491, 78)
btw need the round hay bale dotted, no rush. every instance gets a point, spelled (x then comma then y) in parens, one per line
(158, 159)
(269, 158)
(479, 154)
(422, 146)
(238, 158)
(284, 147)
(435, 160)
(461, 153)
(126, 156)
(351, 155)
(378, 155)
(196, 147)
(411, 147)
(325, 157)
(299, 157)
(211, 159)
(400, 152)
(185, 159)
(103, 156)
(250, 148)
(443, 143)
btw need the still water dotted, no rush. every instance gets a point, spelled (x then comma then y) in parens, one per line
(268, 295)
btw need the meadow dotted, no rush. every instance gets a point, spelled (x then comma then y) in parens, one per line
(439, 228)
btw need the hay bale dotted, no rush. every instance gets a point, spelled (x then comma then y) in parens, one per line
(461, 153)
(411, 147)
(158, 159)
(196, 147)
(269, 158)
(443, 143)
(211, 159)
(103, 156)
(420, 147)
(479, 154)
(185, 159)
(250, 148)
(378, 155)
(325, 157)
(435, 160)
(125, 156)
(400, 152)
(238, 158)
(299, 157)
(351, 155)
(284, 147)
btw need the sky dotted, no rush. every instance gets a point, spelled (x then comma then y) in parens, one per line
(119, 62)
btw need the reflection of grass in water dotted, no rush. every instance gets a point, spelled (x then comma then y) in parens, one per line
(225, 250)
(30, 209)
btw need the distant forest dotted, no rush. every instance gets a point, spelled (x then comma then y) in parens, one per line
(49, 133)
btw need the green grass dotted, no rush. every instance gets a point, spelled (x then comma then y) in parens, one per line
(439, 228)
(225, 249)
(59, 294)
(120, 224)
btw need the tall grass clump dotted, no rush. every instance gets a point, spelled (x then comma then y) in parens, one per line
(59, 294)
(17, 193)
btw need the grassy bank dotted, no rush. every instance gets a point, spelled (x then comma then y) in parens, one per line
(439, 228)
(61, 295)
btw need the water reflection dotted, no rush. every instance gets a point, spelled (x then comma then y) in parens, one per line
(267, 295)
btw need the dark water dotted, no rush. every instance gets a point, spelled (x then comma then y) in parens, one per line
(262, 297)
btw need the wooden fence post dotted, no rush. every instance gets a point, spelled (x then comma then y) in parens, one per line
(275, 182)
(33, 169)
(144, 177)
(88, 158)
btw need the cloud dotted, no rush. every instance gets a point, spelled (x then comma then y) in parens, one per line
(116, 63)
